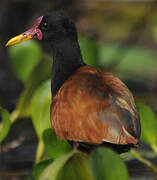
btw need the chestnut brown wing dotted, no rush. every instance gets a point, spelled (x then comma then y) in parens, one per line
(93, 106)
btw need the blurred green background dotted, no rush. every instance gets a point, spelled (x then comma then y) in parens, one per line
(116, 36)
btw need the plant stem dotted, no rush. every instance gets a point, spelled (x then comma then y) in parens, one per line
(14, 115)
(143, 160)
(40, 150)
(154, 147)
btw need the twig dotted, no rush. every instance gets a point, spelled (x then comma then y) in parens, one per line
(40, 150)
(143, 160)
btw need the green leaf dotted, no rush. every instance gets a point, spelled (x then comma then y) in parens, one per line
(135, 62)
(55, 146)
(107, 165)
(132, 61)
(6, 124)
(39, 168)
(24, 57)
(109, 53)
(40, 73)
(89, 50)
(148, 124)
(71, 166)
(41, 108)
(76, 168)
(51, 172)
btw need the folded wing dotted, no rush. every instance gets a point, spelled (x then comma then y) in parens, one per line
(95, 107)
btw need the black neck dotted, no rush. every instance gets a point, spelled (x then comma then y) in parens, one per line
(66, 60)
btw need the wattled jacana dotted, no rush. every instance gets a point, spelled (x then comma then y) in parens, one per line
(90, 108)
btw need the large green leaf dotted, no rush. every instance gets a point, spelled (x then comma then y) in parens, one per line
(135, 61)
(109, 53)
(41, 108)
(132, 61)
(148, 125)
(51, 172)
(5, 123)
(76, 168)
(39, 167)
(89, 50)
(107, 165)
(40, 73)
(24, 57)
(55, 146)
(71, 166)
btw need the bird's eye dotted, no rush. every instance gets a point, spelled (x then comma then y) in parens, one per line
(44, 26)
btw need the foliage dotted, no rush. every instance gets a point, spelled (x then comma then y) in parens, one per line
(53, 144)
(128, 61)
(39, 74)
(89, 50)
(39, 167)
(149, 125)
(24, 57)
(106, 164)
(41, 108)
(5, 126)
(78, 166)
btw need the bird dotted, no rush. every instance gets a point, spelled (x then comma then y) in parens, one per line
(90, 108)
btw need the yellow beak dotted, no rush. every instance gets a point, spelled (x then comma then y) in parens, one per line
(29, 34)
(18, 39)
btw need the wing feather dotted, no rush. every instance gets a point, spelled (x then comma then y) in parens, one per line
(93, 106)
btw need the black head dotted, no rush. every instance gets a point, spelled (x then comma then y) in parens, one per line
(57, 26)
